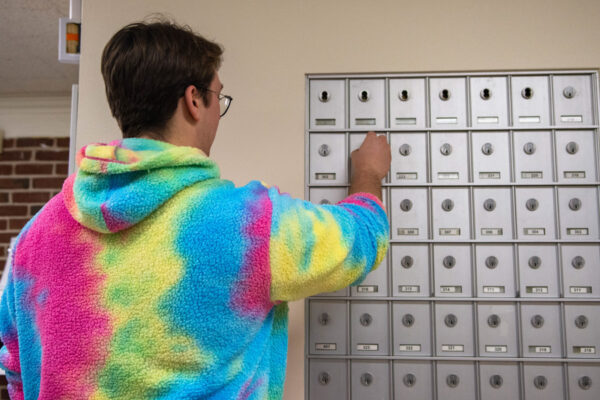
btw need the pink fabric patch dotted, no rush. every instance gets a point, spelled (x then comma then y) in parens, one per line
(113, 223)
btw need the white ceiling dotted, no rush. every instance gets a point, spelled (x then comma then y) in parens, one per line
(29, 48)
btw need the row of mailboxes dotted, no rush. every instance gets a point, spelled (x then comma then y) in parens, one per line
(448, 155)
(452, 102)
(460, 270)
(451, 332)
(417, 380)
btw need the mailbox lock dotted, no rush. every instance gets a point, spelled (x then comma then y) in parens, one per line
(532, 204)
(444, 94)
(409, 380)
(585, 382)
(366, 319)
(575, 204)
(324, 319)
(447, 205)
(406, 205)
(534, 262)
(578, 262)
(324, 201)
(487, 149)
(540, 382)
(408, 320)
(569, 92)
(489, 204)
(527, 93)
(324, 378)
(449, 262)
(486, 94)
(491, 262)
(537, 321)
(407, 261)
(452, 380)
(366, 379)
(529, 148)
(496, 381)
(363, 95)
(572, 147)
(581, 322)
(405, 149)
(324, 150)
(403, 95)
(493, 321)
(450, 320)
(324, 96)
(446, 149)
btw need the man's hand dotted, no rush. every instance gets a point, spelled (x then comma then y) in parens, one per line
(370, 164)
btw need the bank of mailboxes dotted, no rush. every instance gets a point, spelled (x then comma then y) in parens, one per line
(491, 286)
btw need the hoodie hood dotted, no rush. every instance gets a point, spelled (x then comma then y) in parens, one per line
(121, 183)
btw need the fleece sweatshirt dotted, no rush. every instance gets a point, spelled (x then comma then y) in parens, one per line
(149, 277)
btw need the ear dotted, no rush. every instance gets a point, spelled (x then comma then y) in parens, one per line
(193, 102)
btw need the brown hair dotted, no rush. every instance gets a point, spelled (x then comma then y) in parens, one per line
(146, 69)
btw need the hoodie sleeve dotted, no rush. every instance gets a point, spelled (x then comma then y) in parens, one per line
(323, 248)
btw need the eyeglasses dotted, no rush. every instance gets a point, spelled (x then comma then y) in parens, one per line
(224, 101)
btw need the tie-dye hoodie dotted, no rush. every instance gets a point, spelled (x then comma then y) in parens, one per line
(149, 277)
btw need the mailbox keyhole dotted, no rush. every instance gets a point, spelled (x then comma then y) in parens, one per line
(406, 205)
(363, 95)
(409, 380)
(532, 204)
(491, 262)
(324, 201)
(324, 150)
(452, 380)
(527, 93)
(581, 322)
(405, 149)
(487, 149)
(572, 147)
(445, 94)
(449, 262)
(537, 321)
(324, 96)
(493, 321)
(575, 204)
(585, 382)
(529, 148)
(324, 319)
(408, 320)
(540, 382)
(569, 92)
(489, 204)
(446, 149)
(486, 94)
(496, 381)
(534, 262)
(450, 320)
(366, 319)
(447, 205)
(407, 261)
(403, 95)
(578, 262)
(366, 379)
(324, 378)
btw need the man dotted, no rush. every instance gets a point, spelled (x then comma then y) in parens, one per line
(150, 277)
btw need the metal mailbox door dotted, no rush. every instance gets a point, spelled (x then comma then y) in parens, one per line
(578, 209)
(497, 330)
(543, 381)
(452, 270)
(409, 210)
(499, 381)
(583, 330)
(367, 104)
(328, 379)
(573, 100)
(493, 213)
(535, 213)
(530, 101)
(451, 213)
(489, 101)
(538, 270)
(491, 157)
(407, 104)
(409, 158)
(584, 381)
(533, 157)
(328, 159)
(448, 158)
(448, 102)
(375, 284)
(370, 380)
(495, 271)
(369, 327)
(456, 380)
(575, 156)
(454, 329)
(541, 330)
(327, 327)
(410, 270)
(413, 380)
(327, 195)
(327, 104)
(581, 270)
(412, 328)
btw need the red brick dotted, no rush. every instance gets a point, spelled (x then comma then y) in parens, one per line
(33, 169)
(35, 142)
(62, 169)
(15, 155)
(2, 251)
(48, 183)
(8, 211)
(18, 223)
(63, 142)
(34, 209)
(6, 236)
(6, 169)
(30, 197)
(14, 183)
(52, 155)
(3, 224)
(7, 144)
(3, 199)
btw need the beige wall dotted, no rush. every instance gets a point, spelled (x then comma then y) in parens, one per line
(271, 44)
(35, 115)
